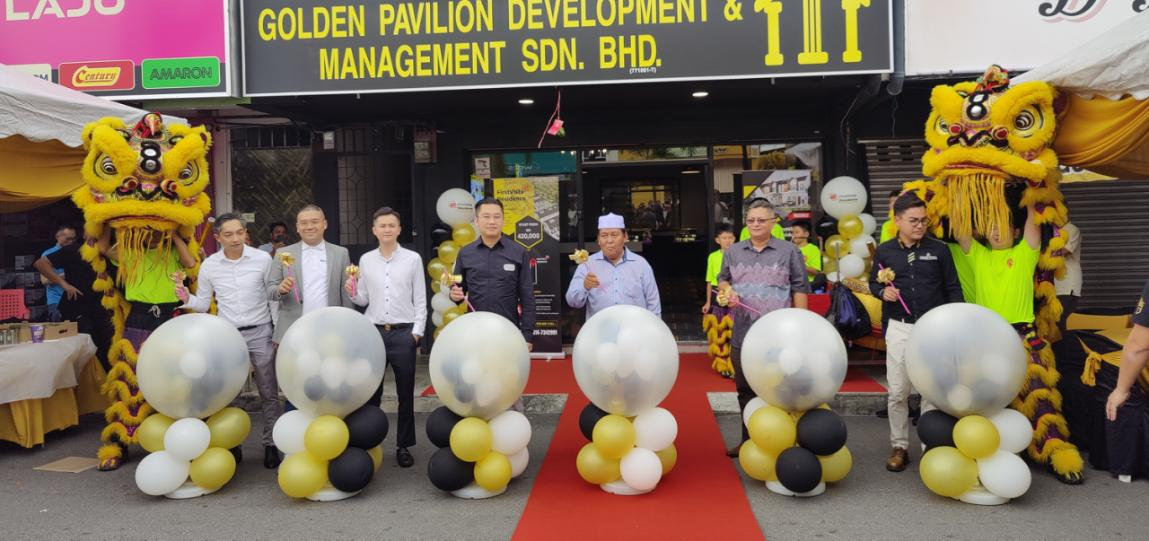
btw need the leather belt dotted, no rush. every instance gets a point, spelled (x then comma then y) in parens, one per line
(394, 326)
(250, 327)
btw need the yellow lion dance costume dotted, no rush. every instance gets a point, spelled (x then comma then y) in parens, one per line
(140, 181)
(990, 156)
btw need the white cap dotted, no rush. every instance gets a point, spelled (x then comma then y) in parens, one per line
(611, 221)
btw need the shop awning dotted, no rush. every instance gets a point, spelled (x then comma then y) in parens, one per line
(40, 148)
(1105, 127)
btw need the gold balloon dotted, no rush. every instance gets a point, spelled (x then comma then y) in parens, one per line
(326, 437)
(471, 439)
(758, 464)
(850, 226)
(463, 234)
(435, 335)
(493, 472)
(976, 437)
(668, 457)
(151, 432)
(614, 436)
(376, 454)
(449, 316)
(302, 475)
(836, 466)
(448, 251)
(459, 309)
(436, 286)
(213, 469)
(836, 247)
(772, 429)
(948, 472)
(595, 468)
(229, 427)
(435, 268)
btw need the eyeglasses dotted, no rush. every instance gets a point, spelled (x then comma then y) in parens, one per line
(914, 222)
(760, 220)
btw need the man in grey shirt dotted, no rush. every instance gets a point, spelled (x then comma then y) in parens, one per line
(763, 274)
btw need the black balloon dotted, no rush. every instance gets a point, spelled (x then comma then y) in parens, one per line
(822, 432)
(439, 426)
(826, 228)
(351, 470)
(368, 426)
(314, 388)
(936, 428)
(447, 472)
(588, 418)
(798, 470)
(439, 234)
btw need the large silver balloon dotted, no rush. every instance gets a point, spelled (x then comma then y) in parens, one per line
(330, 361)
(625, 360)
(480, 365)
(794, 359)
(965, 359)
(192, 366)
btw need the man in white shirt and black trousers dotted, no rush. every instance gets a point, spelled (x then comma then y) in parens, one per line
(237, 277)
(390, 284)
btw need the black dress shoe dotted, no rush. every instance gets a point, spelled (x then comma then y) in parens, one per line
(271, 457)
(403, 458)
(237, 452)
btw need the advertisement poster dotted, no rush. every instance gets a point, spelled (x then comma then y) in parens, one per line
(531, 210)
(788, 190)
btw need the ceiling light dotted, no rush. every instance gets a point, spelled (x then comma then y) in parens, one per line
(526, 101)
(700, 94)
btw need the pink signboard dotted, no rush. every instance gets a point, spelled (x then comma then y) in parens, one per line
(122, 48)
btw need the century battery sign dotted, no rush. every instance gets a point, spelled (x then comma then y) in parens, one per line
(122, 49)
(326, 46)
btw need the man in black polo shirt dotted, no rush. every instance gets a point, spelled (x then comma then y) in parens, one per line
(496, 272)
(79, 303)
(1133, 358)
(923, 278)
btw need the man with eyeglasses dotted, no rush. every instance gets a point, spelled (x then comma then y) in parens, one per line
(924, 277)
(758, 276)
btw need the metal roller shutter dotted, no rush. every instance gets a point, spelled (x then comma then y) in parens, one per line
(890, 163)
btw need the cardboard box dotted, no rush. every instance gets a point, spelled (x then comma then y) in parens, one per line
(52, 331)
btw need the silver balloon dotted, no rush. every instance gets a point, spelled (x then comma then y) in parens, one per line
(794, 359)
(480, 365)
(330, 361)
(965, 359)
(625, 360)
(192, 366)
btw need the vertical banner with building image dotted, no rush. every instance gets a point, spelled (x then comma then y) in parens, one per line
(531, 211)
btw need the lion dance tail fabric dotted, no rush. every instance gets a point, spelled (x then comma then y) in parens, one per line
(719, 327)
(139, 182)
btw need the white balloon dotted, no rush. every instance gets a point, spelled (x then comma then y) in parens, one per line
(655, 429)
(869, 224)
(307, 363)
(843, 196)
(625, 384)
(519, 462)
(800, 337)
(455, 207)
(333, 371)
(498, 348)
(289, 430)
(437, 319)
(833, 277)
(511, 432)
(471, 371)
(1004, 474)
(608, 356)
(790, 361)
(1014, 428)
(860, 246)
(192, 366)
(641, 469)
(187, 438)
(851, 266)
(358, 370)
(646, 364)
(752, 406)
(160, 473)
(441, 302)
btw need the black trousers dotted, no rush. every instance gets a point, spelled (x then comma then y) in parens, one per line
(400, 344)
(1068, 305)
(99, 327)
(745, 393)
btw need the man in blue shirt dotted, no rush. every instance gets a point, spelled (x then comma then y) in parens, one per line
(65, 236)
(613, 275)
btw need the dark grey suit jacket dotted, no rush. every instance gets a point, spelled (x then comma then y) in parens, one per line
(337, 261)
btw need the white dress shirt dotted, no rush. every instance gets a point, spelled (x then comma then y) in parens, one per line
(392, 289)
(1071, 283)
(238, 286)
(314, 265)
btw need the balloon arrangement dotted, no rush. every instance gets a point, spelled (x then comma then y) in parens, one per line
(626, 362)
(850, 251)
(190, 368)
(479, 368)
(456, 208)
(794, 360)
(329, 364)
(972, 439)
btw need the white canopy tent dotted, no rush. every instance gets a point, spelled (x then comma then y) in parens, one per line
(1114, 65)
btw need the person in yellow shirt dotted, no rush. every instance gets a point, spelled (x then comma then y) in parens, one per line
(800, 235)
(716, 320)
(889, 230)
(776, 232)
(723, 237)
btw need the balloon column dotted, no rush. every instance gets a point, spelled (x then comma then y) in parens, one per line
(967, 361)
(479, 368)
(626, 362)
(329, 364)
(456, 208)
(849, 251)
(190, 368)
(794, 360)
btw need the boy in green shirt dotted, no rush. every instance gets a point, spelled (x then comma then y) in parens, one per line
(800, 235)
(776, 232)
(716, 320)
(724, 237)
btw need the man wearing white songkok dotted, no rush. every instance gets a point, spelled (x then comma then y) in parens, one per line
(614, 274)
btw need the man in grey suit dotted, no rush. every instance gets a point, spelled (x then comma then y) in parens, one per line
(318, 272)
